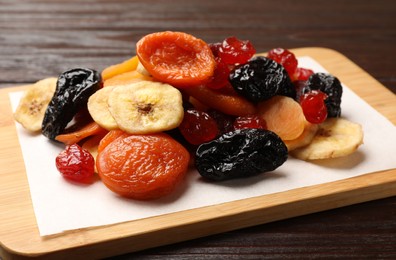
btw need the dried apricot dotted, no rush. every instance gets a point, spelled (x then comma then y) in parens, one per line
(284, 116)
(120, 68)
(126, 78)
(227, 103)
(77, 135)
(142, 167)
(176, 58)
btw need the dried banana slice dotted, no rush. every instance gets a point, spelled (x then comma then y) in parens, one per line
(336, 137)
(99, 109)
(146, 107)
(31, 108)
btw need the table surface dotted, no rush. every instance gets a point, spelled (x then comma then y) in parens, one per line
(41, 38)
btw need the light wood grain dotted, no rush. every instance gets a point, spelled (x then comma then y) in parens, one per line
(19, 235)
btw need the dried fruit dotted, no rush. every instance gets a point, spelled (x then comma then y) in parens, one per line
(260, 79)
(313, 106)
(230, 104)
(75, 163)
(220, 75)
(73, 89)
(331, 86)
(76, 135)
(33, 104)
(303, 139)
(142, 167)
(198, 127)
(126, 78)
(252, 121)
(98, 108)
(241, 153)
(120, 68)
(235, 51)
(286, 58)
(336, 137)
(146, 107)
(302, 74)
(176, 58)
(284, 116)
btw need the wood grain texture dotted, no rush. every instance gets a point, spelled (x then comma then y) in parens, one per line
(40, 38)
(18, 225)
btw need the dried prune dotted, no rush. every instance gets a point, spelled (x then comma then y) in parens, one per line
(73, 89)
(240, 153)
(330, 85)
(260, 79)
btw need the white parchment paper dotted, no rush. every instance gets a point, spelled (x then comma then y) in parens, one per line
(60, 205)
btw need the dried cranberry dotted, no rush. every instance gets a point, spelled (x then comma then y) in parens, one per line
(75, 163)
(285, 58)
(235, 51)
(220, 76)
(331, 86)
(252, 121)
(214, 47)
(314, 107)
(303, 74)
(198, 127)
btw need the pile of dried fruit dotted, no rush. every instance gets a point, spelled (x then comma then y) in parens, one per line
(181, 102)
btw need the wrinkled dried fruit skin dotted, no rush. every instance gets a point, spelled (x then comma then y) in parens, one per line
(239, 154)
(330, 85)
(73, 89)
(260, 79)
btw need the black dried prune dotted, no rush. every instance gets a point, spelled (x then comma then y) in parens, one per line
(260, 79)
(73, 89)
(330, 85)
(240, 153)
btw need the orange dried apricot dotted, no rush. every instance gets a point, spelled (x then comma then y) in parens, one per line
(176, 58)
(142, 167)
(284, 116)
(120, 68)
(227, 103)
(126, 78)
(77, 135)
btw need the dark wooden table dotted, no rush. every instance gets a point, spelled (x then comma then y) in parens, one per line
(41, 38)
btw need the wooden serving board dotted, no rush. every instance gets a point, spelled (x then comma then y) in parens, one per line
(19, 235)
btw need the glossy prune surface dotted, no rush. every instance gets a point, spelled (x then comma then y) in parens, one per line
(260, 79)
(240, 153)
(73, 89)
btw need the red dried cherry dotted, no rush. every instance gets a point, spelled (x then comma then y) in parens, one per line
(285, 58)
(314, 107)
(75, 163)
(198, 127)
(220, 76)
(252, 121)
(303, 74)
(236, 51)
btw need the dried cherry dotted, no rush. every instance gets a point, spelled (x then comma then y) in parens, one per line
(331, 86)
(198, 127)
(251, 121)
(235, 51)
(75, 163)
(240, 153)
(260, 79)
(286, 58)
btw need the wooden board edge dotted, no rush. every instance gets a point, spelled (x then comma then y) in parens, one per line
(375, 191)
